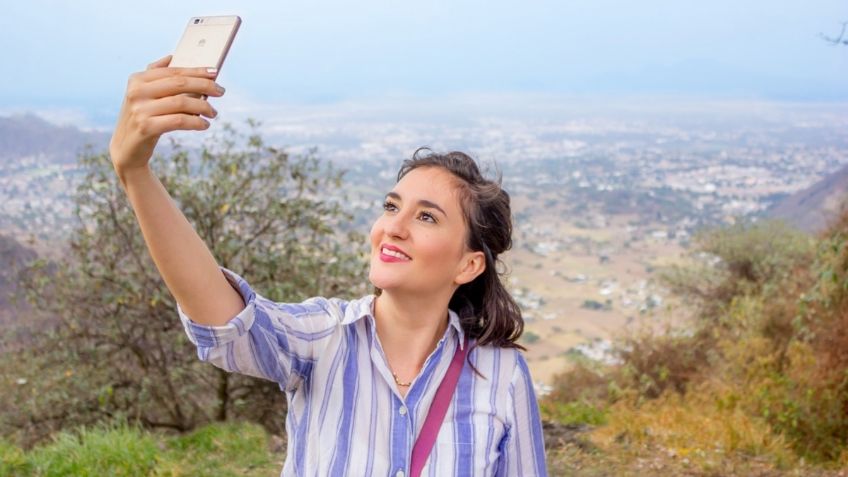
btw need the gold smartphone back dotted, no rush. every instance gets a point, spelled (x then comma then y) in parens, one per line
(206, 41)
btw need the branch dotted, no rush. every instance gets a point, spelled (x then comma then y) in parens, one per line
(839, 39)
(168, 425)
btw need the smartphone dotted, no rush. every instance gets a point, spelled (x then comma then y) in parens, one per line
(206, 41)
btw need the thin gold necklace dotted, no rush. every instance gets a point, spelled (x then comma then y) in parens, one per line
(397, 381)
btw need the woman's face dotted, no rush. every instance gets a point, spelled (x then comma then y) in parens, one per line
(418, 244)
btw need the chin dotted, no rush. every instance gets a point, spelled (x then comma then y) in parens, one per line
(380, 282)
(385, 281)
(377, 279)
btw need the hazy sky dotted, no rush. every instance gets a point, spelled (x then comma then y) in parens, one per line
(79, 54)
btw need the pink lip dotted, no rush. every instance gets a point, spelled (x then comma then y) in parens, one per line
(389, 258)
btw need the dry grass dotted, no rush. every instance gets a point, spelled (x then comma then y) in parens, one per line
(648, 461)
(700, 431)
(684, 435)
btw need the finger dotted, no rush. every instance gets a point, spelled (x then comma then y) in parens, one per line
(166, 71)
(179, 104)
(160, 63)
(158, 125)
(174, 85)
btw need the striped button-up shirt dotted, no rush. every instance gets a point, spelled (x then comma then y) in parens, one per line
(345, 414)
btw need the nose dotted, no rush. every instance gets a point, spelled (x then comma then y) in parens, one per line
(396, 226)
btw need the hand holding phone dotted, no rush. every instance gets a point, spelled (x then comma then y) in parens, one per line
(170, 94)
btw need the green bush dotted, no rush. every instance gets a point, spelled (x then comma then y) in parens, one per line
(574, 412)
(808, 398)
(744, 259)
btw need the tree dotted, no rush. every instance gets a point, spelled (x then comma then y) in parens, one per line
(118, 349)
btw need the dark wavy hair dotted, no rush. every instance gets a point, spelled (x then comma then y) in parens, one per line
(486, 310)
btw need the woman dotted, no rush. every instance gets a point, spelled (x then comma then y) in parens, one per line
(361, 376)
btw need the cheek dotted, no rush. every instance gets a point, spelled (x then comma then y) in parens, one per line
(441, 249)
(375, 234)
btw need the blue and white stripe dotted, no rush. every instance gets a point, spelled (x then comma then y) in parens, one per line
(345, 415)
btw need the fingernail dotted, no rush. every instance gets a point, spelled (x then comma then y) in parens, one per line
(220, 88)
(212, 71)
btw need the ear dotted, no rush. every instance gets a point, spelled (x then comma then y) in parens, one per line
(471, 266)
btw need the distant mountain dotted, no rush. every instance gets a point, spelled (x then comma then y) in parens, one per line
(26, 134)
(811, 209)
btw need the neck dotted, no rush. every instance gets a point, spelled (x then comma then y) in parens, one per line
(409, 330)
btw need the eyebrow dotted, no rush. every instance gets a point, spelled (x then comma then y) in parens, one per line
(424, 202)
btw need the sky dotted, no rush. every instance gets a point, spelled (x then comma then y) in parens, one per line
(77, 55)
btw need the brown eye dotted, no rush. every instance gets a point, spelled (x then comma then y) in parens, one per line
(428, 217)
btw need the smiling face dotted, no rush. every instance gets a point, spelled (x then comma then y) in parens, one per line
(418, 245)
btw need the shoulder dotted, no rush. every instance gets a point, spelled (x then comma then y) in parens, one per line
(509, 356)
(341, 310)
(503, 364)
(339, 307)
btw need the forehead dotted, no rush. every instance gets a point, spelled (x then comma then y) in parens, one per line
(429, 183)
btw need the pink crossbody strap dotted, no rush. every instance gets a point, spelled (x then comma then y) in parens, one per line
(436, 414)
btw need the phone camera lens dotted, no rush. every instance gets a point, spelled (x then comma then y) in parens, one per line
(196, 21)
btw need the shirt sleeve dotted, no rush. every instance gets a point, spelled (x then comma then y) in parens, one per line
(275, 341)
(522, 449)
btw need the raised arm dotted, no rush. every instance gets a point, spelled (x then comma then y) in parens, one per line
(156, 103)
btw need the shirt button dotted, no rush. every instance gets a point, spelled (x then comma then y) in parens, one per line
(399, 473)
(402, 412)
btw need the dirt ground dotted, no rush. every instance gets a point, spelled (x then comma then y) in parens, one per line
(615, 264)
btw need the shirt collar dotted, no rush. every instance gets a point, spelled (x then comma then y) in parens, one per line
(365, 308)
(453, 320)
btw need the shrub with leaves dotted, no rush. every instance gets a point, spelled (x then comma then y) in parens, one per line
(743, 259)
(765, 351)
(117, 349)
(809, 400)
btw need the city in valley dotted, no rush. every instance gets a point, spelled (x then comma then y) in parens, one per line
(603, 199)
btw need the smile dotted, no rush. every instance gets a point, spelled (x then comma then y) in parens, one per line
(393, 253)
